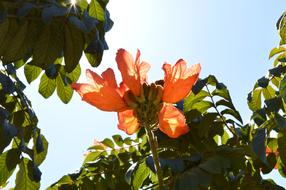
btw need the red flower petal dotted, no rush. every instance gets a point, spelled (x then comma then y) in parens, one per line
(133, 72)
(179, 80)
(172, 121)
(101, 92)
(128, 122)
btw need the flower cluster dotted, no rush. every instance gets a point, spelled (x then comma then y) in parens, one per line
(138, 103)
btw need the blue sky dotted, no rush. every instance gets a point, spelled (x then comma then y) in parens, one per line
(231, 39)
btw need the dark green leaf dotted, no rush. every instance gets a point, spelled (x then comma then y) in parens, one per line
(39, 156)
(258, 145)
(263, 82)
(6, 39)
(199, 85)
(274, 104)
(16, 44)
(13, 158)
(74, 44)
(215, 165)
(49, 46)
(193, 179)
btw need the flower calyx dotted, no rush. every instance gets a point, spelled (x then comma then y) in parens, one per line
(147, 105)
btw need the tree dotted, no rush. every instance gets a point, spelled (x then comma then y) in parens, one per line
(219, 152)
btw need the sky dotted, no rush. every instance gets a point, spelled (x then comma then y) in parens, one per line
(231, 40)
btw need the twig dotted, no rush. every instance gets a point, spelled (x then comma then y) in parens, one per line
(154, 146)
(222, 118)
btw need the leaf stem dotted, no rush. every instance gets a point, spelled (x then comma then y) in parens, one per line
(222, 118)
(154, 146)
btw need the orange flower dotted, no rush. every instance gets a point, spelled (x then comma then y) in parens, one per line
(172, 121)
(145, 101)
(101, 92)
(275, 152)
(128, 122)
(133, 72)
(179, 80)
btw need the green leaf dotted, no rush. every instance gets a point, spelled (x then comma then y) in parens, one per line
(31, 72)
(96, 11)
(226, 103)
(233, 113)
(224, 137)
(222, 93)
(254, 100)
(282, 146)
(75, 74)
(268, 92)
(66, 179)
(8, 162)
(47, 86)
(276, 50)
(118, 140)
(40, 157)
(282, 88)
(141, 172)
(272, 144)
(64, 91)
(128, 141)
(94, 59)
(74, 44)
(107, 142)
(23, 178)
(202, 106)
(49, 45)
(212, 80)
(83, 4)
(92, 156)
(193, 99)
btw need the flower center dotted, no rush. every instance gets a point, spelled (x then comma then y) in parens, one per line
(146, 106)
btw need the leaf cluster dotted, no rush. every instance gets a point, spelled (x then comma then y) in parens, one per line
(51, 36)
(21, 141)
